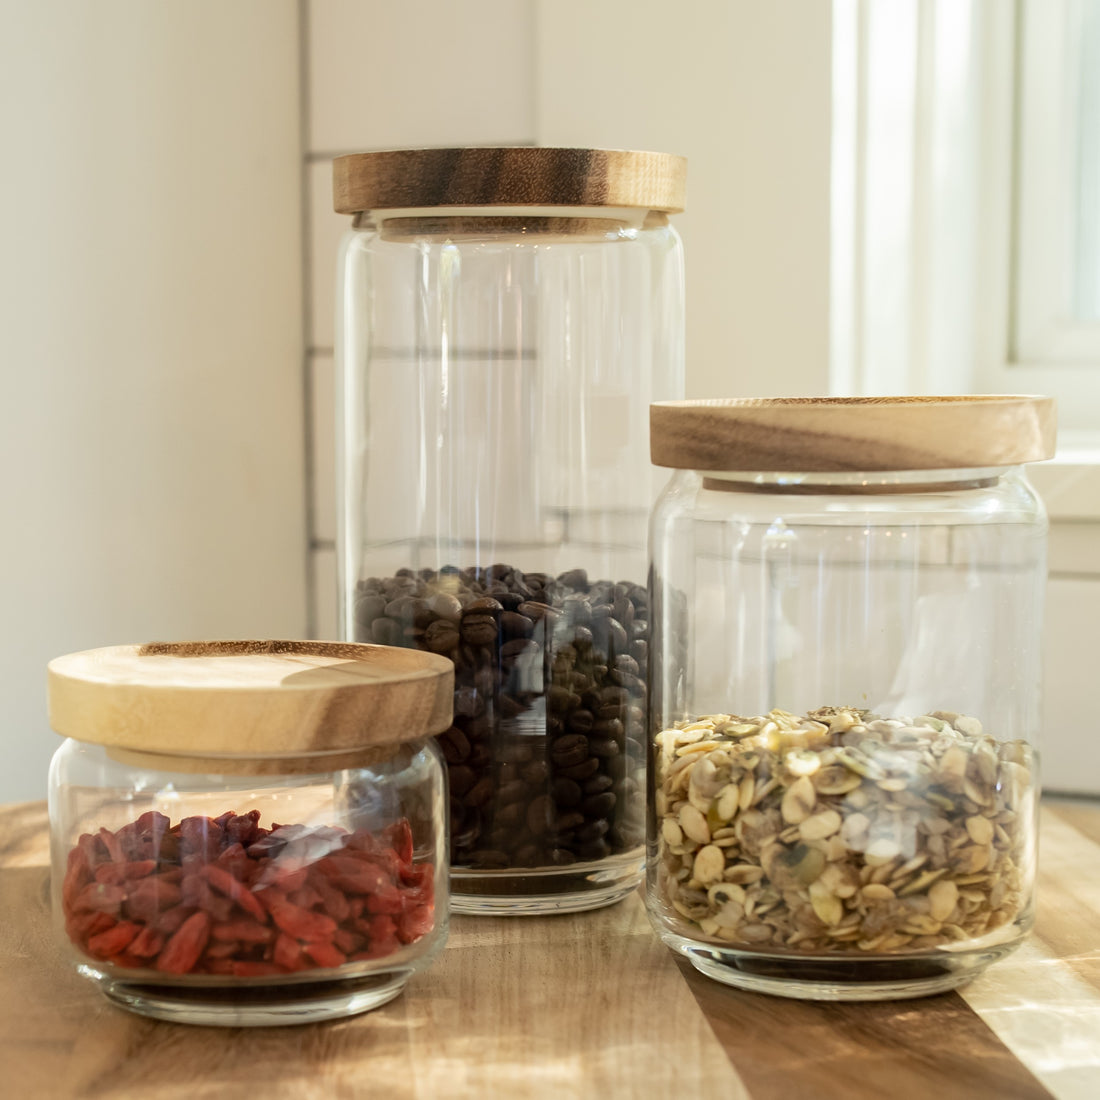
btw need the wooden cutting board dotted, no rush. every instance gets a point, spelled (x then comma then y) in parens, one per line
(586, 1005)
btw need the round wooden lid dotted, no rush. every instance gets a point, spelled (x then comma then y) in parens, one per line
(838, 434)
(508, 176)
(259, 699)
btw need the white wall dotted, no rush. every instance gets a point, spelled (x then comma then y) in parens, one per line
(150, 291)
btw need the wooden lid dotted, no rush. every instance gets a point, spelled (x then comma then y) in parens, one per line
(509, 176)
(838, 434)
(256, 699)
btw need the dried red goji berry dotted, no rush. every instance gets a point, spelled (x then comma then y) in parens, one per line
(382, 927)
(222, 949)
(305, 898)
(247, 931)
(354, 876)
(172, 919)
(82, 925)
(348, 942)
(415, 923)
(223, 881)
(98, 897)
(399, 834)
(333, 901)
(117, 873)
(147, 943)
(149, 896)
(288, 953)
(110, 842)
(324, 954)
(114, 940)
(303, 924)
(184, 948)
(388, 899)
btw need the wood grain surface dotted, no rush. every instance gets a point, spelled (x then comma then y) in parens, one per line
(839, 434)
(576, 1006)
(216, 701)
(508, 176)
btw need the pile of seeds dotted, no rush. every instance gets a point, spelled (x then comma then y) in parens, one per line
(842, 831)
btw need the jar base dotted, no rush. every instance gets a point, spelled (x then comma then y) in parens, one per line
(531, 891)
(255, 1006)
(821, 978)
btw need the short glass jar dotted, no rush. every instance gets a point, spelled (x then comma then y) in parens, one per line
(249, 833)
(505, 318)
(847, 602)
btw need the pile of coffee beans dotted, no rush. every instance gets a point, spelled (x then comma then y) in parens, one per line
(546, 756)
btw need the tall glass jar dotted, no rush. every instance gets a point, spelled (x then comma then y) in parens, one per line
(847, 601)
(249, 833)
(505, 318)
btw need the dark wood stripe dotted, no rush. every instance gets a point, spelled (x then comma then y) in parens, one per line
(934, 1047)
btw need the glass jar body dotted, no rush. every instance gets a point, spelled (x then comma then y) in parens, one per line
(495, 374)
(845, 709)
(248, 899)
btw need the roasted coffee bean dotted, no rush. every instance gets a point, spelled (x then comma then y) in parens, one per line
(593, 830)
(461, 780)
(566, 822)
(577, 610)
(536, 773)
(581, 721)
(598, 849)
(468, 702)
(510, 816)
(567, 793)
(400, 608)
(511, 792)
(514, 625)
(603, 746)
(530, 855)
(385, 632)
(479, 629)
(519, 647)
(454, 745)
(485, 605)
(562, 857)
(574, 578)
(480, 794)
(515, 752)
(569, 750)
(609, 727)
(583, 770)
(598, 784)
(540, 815)
(599, 805)
(532, 610)
(441, 636)
(368, 608)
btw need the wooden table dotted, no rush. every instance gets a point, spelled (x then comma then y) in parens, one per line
(577, 1006)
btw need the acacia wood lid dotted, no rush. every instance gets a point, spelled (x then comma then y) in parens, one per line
(232, 699)
(838, 434)
(508, 176)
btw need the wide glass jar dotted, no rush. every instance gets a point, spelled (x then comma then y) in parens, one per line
(847, 602)
(249, 833)
(505, 318)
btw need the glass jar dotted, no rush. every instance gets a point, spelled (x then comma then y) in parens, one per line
(505, 318)
(847, 602)
(249, 833)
